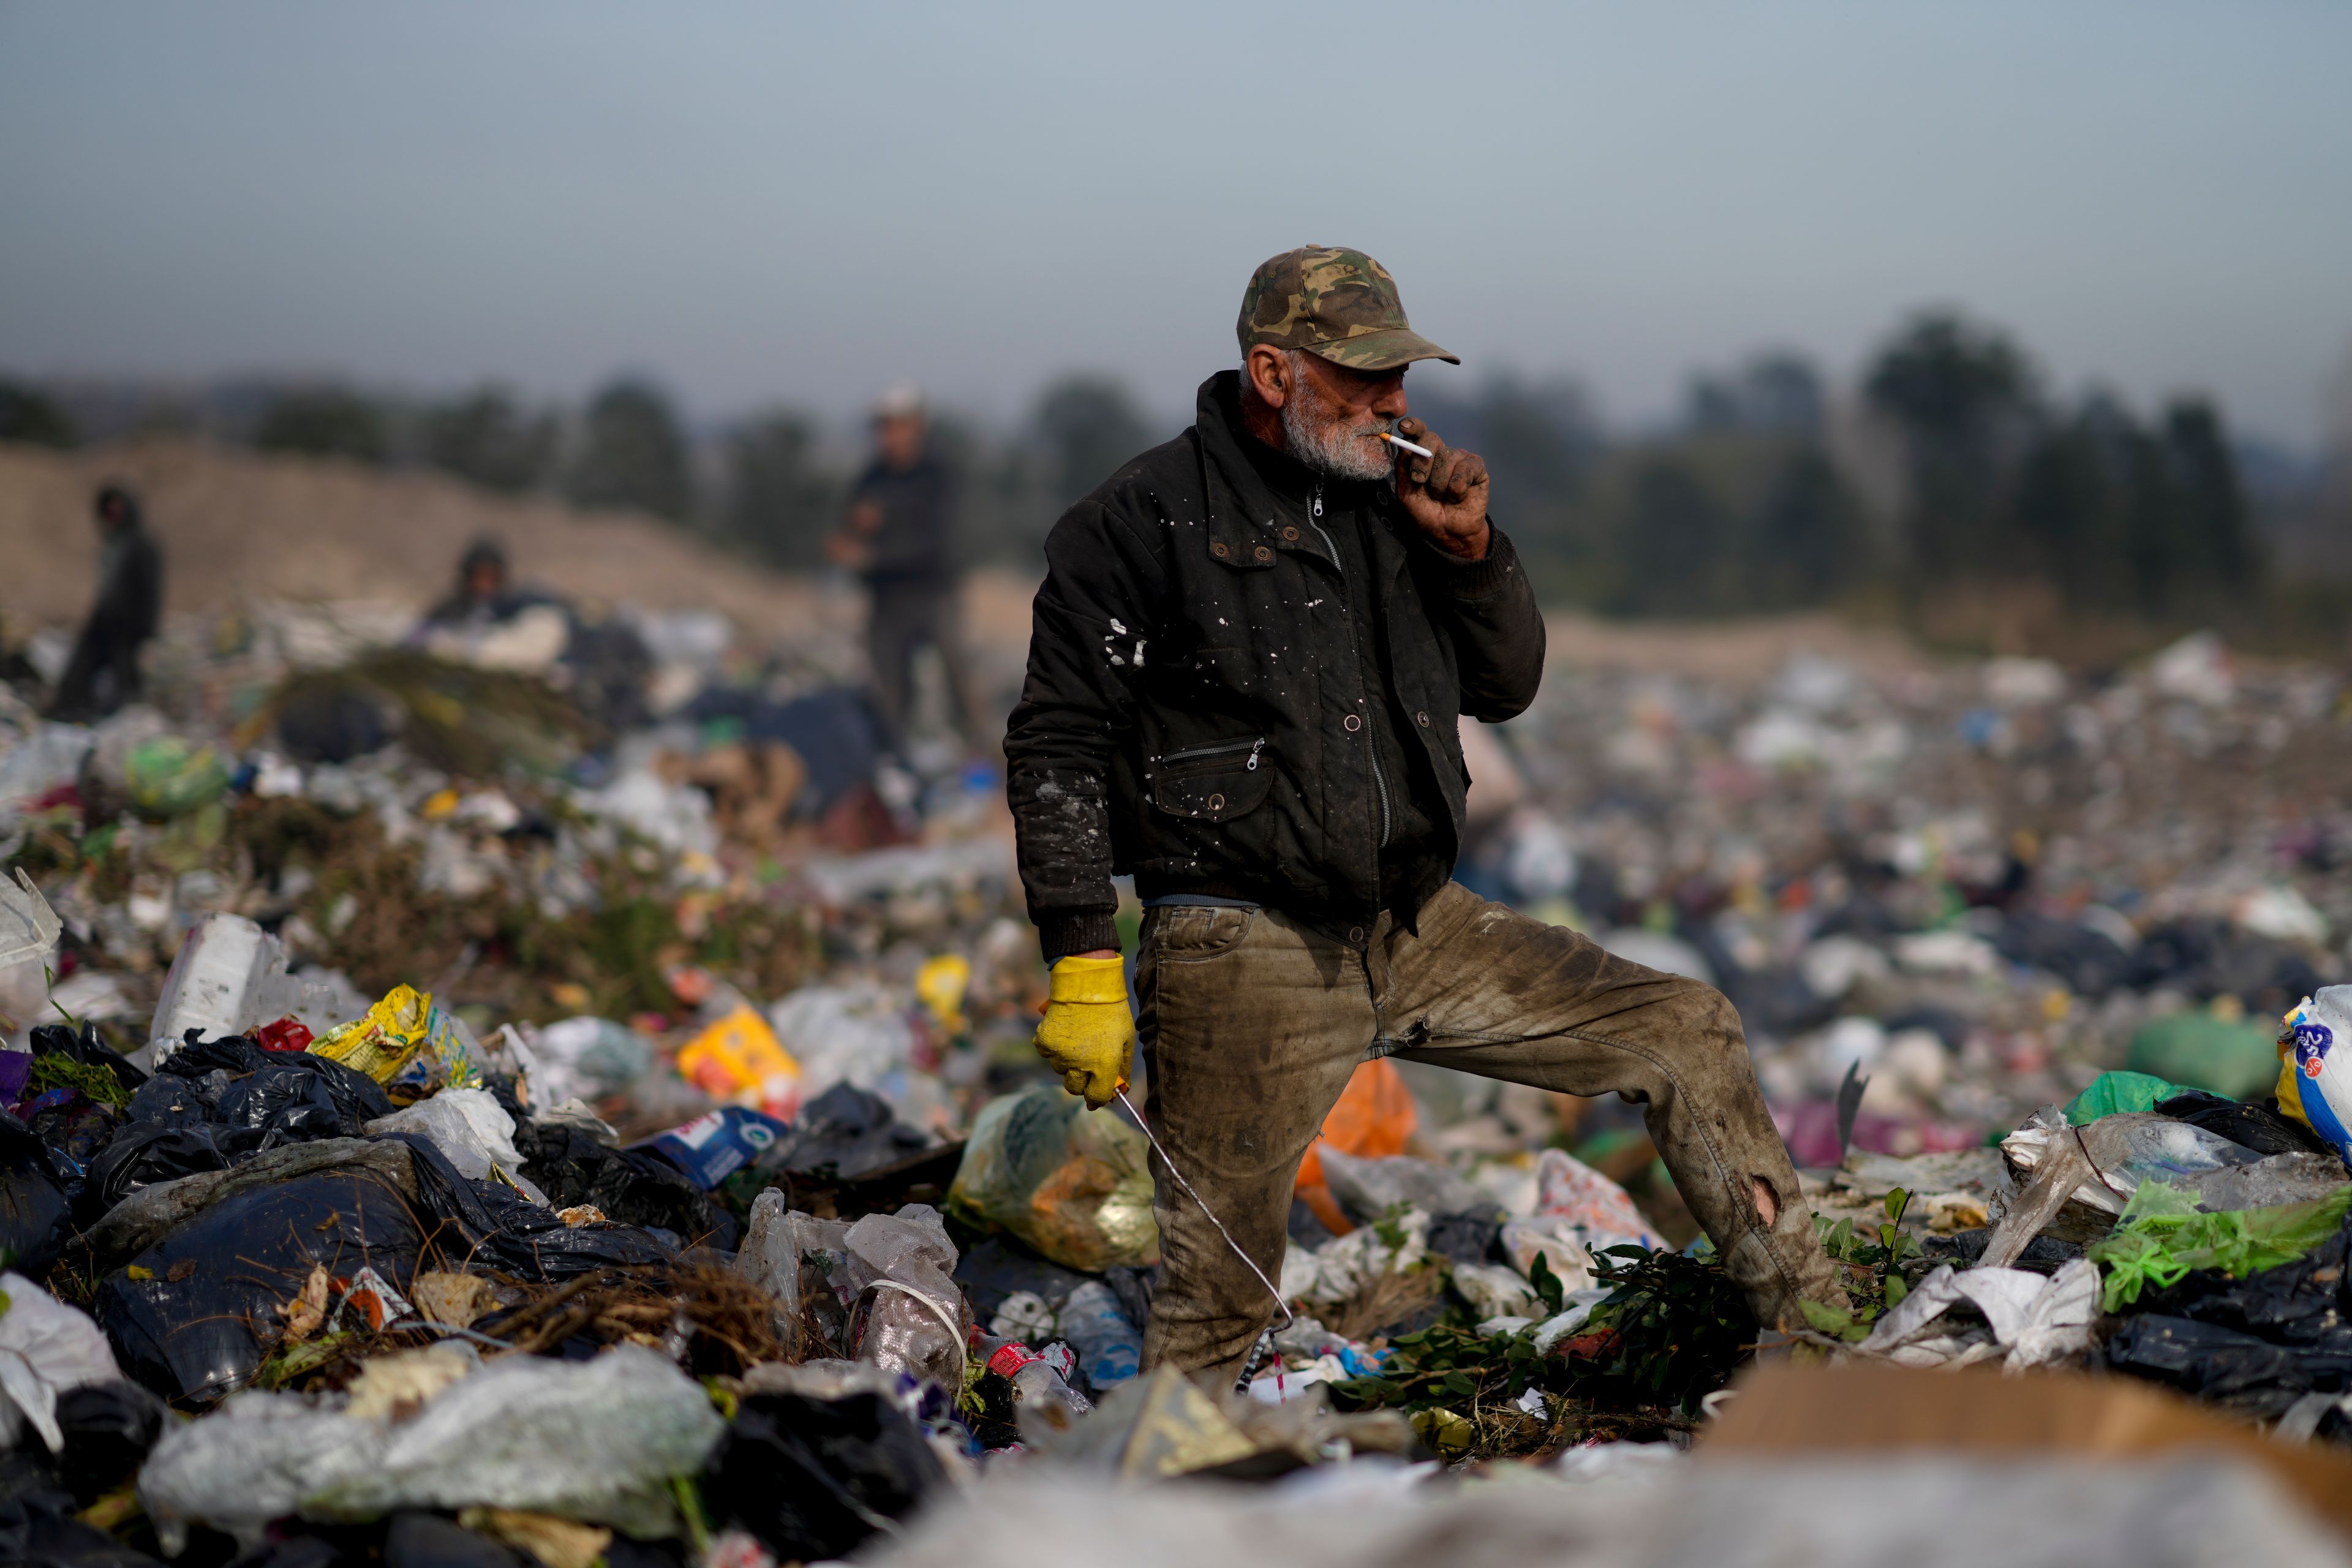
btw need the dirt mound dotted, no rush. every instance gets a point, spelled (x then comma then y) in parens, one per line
(237, 527)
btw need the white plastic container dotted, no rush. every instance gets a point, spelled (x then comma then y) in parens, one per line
(214, 983)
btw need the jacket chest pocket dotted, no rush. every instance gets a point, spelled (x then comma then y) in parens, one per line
(1215, 782)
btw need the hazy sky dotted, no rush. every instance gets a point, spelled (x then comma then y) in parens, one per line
(770, 201)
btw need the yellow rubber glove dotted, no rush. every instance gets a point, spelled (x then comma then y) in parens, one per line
(1088, 1034)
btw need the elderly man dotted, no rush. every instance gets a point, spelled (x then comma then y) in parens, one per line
(1250, 656)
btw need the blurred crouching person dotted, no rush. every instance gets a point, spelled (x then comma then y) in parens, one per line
(103, 673)
(900, 536)
(490, 623)
(484, 594)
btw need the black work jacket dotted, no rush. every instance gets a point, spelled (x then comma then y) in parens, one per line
(916, 541)
(1196, 710)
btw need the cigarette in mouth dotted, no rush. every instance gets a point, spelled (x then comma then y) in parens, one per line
(1404, 446)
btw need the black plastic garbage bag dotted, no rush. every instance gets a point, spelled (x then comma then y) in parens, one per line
(168, 1099)
(1466, 1238)
(71, 1125)
(108, 1429)
(630, 1186)
(844, 1133)
(190, 1316)
(86, 1048)
(216, 1103)
(493, 1223)
(414, 1539)
(329, 722)
(2257, 1127)
(808, 1477)
(996, 1267)
(289, 1091)
(34, 1205)
(2305, 1303)
(146, 1152)
(2250, 1375)
(2090, 961)
(37, 1527)
(2042, 1254)
(2208, 957)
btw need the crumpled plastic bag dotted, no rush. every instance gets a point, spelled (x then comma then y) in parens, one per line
(469, 1127)
(784, 1253)
(2162, 1236)
(1599, 1209)
(891, 1275)
(1367, 1189)
(35, 1209)
(1558, 1240)
(1492, 1290)
(28, 927)
(584, 1058)
(911, 1315)
(1336, 1272)
(1072, 1182)
(47, 1348)
(2124, 1150)
(2035, 1319)
(594, 1440)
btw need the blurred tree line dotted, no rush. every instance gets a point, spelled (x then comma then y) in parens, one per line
(1751, 501)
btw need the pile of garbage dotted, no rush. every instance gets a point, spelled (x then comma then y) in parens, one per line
(391, 1288)
(453, 1111)
(1980, 883)
(387, 1285)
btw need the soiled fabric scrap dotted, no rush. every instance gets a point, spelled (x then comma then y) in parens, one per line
(1910, 1317)
(2058, 1323)
(2035, 1319)
(2005, 1296)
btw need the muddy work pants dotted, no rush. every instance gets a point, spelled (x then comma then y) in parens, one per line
(1252, 1025)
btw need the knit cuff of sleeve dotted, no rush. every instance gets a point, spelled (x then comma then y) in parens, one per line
(1486, 576)
(1077, 931)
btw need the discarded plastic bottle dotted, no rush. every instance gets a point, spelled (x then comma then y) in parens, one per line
(1043, 1401)
(1097, 1327)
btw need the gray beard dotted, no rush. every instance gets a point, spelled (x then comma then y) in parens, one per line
(1316, 438)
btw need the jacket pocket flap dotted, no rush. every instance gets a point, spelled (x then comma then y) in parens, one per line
(1212, 794)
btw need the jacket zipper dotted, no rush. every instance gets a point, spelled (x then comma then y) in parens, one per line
(1220, 749)
(1371, 749)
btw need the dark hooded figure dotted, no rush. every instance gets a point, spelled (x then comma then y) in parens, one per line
(485, 593)
(103, 674)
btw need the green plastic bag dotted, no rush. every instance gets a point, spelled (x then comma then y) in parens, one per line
(1072, 1182)
(2237, 1057)
(2161, 1237)
(168, 777)
(2112, 1093)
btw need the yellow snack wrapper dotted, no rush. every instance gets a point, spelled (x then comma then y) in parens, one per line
(446, 1061)
(739, 1058)
(383, 1042)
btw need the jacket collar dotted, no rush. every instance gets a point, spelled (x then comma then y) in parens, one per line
(1247, 482)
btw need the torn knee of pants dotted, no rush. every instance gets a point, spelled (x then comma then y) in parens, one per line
(1768, 1201)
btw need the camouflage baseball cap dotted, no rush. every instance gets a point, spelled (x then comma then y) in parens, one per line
(1335, 302)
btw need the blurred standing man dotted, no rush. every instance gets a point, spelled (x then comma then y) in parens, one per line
(900, 536)
(103, 674)
(1250, 657)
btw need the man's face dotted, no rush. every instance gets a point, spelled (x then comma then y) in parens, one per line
(1333, 416)
(485, 580)
(900, 438)
(109, 515)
